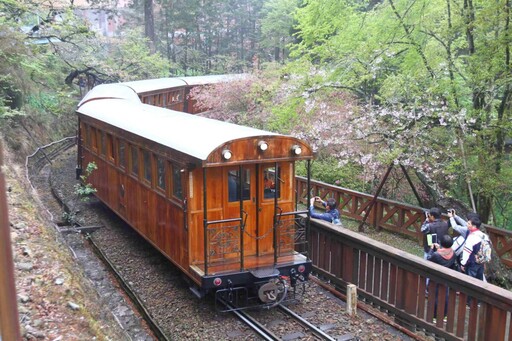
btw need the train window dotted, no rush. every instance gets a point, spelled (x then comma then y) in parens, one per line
(177, 190)
(121, 150)
(94, 140)
(110, 147)
(134, 160)
(87, 136)
(147, 165)
(160, 173)
(270, 186)
(234, 182)
(103, 143)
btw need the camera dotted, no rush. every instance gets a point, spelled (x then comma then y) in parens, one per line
(427, 214)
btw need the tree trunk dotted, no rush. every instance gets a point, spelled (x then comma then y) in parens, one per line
(149, 24)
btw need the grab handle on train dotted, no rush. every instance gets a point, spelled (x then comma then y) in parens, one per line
(245, 218)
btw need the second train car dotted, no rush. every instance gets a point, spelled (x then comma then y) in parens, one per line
(217, 199)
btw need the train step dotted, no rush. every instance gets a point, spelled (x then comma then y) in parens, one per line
(265, 273)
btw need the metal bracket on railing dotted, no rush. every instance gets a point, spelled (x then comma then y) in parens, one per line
(279, 215)
(242, 227)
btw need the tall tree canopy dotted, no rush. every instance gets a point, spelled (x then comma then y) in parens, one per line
(435, 76)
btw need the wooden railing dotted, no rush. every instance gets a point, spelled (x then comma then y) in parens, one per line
(396, 281)
(393, 216)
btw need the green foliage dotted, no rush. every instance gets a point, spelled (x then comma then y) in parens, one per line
(276, 25)
(132, 60)
(444, 65)
(330, 171)
(84, 189)
(284, 116)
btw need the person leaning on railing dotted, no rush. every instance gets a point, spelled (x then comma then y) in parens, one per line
(331, 214)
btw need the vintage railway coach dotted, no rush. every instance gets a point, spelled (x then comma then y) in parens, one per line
(217, 199)
(173, 93)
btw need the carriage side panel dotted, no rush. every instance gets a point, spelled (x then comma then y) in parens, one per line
(155, 214)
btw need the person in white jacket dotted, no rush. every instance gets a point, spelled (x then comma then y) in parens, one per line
(461, 226)
(471, 247)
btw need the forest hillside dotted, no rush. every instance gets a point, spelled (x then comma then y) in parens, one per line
(423, 85)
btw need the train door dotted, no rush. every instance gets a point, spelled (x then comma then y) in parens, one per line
(242, 181)
(268, 190)
(275, 197)
(265, 190)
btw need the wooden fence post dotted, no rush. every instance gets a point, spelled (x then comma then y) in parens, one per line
(351, 299)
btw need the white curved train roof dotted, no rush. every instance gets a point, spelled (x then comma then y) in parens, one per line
(191, 134)
(144, 86)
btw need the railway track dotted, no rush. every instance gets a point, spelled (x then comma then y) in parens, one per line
(311, 328)
(155, 286)
(297, 326)
(147, 291)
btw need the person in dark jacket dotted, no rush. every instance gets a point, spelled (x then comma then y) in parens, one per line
(331, 214)
(444, 255)
(433, 225)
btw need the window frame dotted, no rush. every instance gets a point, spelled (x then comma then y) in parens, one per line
(147, 166)
(131, 163)
(175, 172)
(111, 156)
(159, 159)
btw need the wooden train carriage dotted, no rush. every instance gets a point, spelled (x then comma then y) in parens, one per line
(163, 92)
(215, 198)
(173, 93)
(192, 82)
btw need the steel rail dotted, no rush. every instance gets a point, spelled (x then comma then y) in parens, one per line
(134, 298)
(259, 328)
(152, 324)
(317, 331)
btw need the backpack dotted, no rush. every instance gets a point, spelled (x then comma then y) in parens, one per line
(484, 254)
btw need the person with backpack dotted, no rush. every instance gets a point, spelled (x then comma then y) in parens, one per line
(477, 250)
(331, 214)
(460, 225)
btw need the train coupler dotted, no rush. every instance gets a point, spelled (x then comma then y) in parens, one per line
(237, 297)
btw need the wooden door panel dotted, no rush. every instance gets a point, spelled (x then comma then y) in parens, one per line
(232, 206)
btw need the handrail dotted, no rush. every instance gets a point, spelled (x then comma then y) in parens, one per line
(292, 213)
(396, 281)
(211, 222)
(394, 216)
